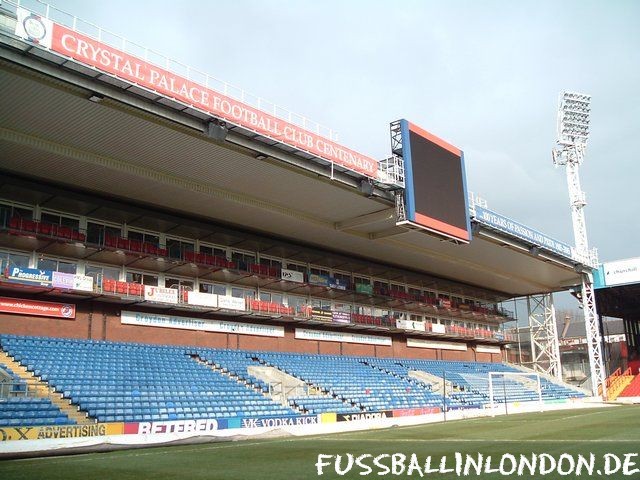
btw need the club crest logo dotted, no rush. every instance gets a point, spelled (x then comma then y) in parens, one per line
(67, 311)
(34, 28)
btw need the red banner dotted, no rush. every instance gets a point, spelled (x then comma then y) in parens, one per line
(412, 412)
(115, 62)
(33, 307)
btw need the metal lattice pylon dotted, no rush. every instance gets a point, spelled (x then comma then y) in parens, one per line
(573, 133)
(594, 339)
(545, 349)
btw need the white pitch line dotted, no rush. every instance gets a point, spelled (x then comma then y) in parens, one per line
(479, 440)
(580, 415)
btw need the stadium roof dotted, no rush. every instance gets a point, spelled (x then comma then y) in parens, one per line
(76, 126)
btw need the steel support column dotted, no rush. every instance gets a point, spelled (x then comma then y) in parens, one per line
(545, 350)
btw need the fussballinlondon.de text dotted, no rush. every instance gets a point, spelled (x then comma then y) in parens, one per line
(477, 465)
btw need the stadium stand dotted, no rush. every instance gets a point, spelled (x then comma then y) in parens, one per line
(633, 389)
(113, 381)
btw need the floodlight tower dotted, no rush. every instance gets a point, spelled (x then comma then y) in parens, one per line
(573, 133)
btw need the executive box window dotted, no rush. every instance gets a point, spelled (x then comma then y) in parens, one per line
(243, 293)
(415, 292)
(243, 260)
(144, 237)
(363, 310)
(11, 260)
(298, 303)
(270, 262)
(97, 232)
(143, 278)
(176, 248)
(296, 267)
(380, 287)
(56, 265)
(272, 297)
(318, 271)
(343, 278)
(63, 221)
(213, 251)
(214, 288)
(342, 307)
(179, 284)
(361, 280)
(324, 305)
(8, 212)
(100, 273)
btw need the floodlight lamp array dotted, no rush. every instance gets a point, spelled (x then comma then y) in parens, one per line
(574, 115)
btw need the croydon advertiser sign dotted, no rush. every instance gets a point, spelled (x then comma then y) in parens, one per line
(105, 58)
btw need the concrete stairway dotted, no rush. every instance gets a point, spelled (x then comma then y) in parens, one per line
(437, 383)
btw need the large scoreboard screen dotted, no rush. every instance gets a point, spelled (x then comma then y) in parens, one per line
(435, 184)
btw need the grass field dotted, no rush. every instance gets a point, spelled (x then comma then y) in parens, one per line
(597, 431)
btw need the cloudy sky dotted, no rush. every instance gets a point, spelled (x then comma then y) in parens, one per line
(484, 75)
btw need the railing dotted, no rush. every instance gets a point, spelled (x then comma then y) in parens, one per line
(27, 227)
(22, 388)
(275, 310)
(117, 41)
(392, 171)
(16, 225)
(62, 232)
(617, 382)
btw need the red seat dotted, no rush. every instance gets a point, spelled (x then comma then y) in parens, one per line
(162, 252)
(135, 289)
(65, 232)
(123, 243)
(149, 248)
(189, 256)
(15, 222)
(29, 225)
(110, 241)
(45, 228)
(135, 245)
(109, 285)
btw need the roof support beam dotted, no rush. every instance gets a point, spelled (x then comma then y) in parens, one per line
(362, 220)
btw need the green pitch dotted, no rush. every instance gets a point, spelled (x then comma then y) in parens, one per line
(576, 432)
